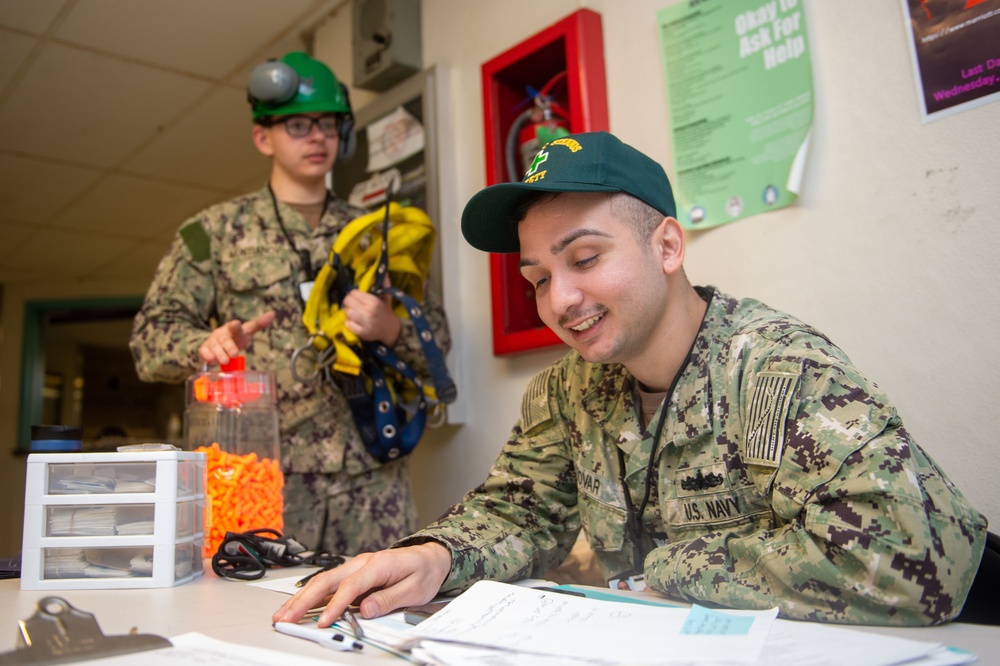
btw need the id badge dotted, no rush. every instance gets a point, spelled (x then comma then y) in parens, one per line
(636, 583)
(305, 288)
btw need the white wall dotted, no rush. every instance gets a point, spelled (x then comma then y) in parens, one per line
(889, 249)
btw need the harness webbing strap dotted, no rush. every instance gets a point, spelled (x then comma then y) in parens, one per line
(388, 400)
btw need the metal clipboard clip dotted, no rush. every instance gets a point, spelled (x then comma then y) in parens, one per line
(59, 633)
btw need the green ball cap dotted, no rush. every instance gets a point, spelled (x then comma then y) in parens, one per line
(588, 162)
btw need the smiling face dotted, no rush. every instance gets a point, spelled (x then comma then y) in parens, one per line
(601, 289)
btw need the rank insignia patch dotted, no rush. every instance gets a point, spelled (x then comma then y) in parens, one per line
(767, 413)
(701, 481)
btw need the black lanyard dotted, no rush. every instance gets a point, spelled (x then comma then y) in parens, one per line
(633, 520)
(634, 530)
(303, 255)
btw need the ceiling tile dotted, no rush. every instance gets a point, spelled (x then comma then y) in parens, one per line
(254, 183)
(14, 48)
(34, 190)
(208, 37)
(289, 43)
(33, 17)
(134, 207)
(138, 262)
(92, 109)
(164, 236)
(126, 117)
(210, 145)
(11, 237)
(21, 275)
(66, 254)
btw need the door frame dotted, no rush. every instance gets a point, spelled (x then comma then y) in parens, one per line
(33, 351)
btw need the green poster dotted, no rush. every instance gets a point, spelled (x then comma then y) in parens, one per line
(739, 90)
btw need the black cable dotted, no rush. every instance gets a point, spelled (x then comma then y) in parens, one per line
(303, 255)
(633, 522)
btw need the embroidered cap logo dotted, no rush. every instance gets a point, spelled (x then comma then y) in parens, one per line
(306, 87)
(537, 162)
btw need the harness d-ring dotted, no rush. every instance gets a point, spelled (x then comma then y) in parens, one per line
(324, 359)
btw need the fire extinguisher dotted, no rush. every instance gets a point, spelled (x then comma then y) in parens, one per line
(544, 121)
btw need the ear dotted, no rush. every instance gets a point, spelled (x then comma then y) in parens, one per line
(668, 239)
(262, 140)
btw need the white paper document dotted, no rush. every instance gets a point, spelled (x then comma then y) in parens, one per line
(526, 621)
(494, 624)
(195, 648)
(499, 624)
(283, 582)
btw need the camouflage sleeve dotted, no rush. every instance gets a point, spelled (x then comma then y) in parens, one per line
(867, 529)
(522, 520)
(175, 318)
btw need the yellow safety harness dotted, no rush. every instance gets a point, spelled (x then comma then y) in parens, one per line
(388, 400)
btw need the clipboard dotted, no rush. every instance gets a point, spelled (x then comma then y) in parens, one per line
(59, 633)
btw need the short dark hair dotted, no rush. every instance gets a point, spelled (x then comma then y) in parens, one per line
(529, 201)
(636, 213)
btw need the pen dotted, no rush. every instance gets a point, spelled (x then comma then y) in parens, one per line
(330, 563)
(306, 579)
(355, 625)
(333, 640)
(560, 590)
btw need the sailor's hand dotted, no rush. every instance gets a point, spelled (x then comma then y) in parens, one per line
(378, 582)
(231, 338)
(371, 318)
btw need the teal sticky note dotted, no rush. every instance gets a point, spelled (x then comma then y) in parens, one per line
(591, 593)
(705, 621)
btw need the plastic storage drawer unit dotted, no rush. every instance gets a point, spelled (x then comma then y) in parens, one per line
(113, 520)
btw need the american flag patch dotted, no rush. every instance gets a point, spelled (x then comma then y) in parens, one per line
(767, 412)
(535, 403)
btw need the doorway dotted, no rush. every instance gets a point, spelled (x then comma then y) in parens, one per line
(77, 370)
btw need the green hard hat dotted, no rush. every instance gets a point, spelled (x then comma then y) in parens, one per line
(296, 83)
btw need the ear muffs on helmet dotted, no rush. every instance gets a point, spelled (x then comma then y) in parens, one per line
(348, 138)
(274, 89)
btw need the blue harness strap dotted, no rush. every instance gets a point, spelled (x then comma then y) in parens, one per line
(389, 428)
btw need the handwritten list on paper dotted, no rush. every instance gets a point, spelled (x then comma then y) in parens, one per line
(508, 617)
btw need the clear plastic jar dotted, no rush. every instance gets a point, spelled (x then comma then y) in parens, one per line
(232, 417)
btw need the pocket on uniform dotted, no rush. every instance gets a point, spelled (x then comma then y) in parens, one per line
(604, 524)
(254, 280)
(259, 271)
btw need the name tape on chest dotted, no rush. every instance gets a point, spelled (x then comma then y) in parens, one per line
(599, 488)
(707, 509)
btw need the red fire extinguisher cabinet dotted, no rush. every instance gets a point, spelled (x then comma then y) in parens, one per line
(575, 45)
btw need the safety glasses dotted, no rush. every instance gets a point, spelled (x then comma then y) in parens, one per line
(299, 127)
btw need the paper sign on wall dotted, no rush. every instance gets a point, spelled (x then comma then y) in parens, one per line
(739, 90)
(953, 45)
(393, 138)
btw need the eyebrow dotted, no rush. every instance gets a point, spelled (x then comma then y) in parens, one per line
(564, 242)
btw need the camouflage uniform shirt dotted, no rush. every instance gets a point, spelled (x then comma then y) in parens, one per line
(232, 261)
(783, 477)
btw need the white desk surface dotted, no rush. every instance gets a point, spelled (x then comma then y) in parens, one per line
(238, 613)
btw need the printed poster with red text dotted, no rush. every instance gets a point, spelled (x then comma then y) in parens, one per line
(955, 46)
(739, 89)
